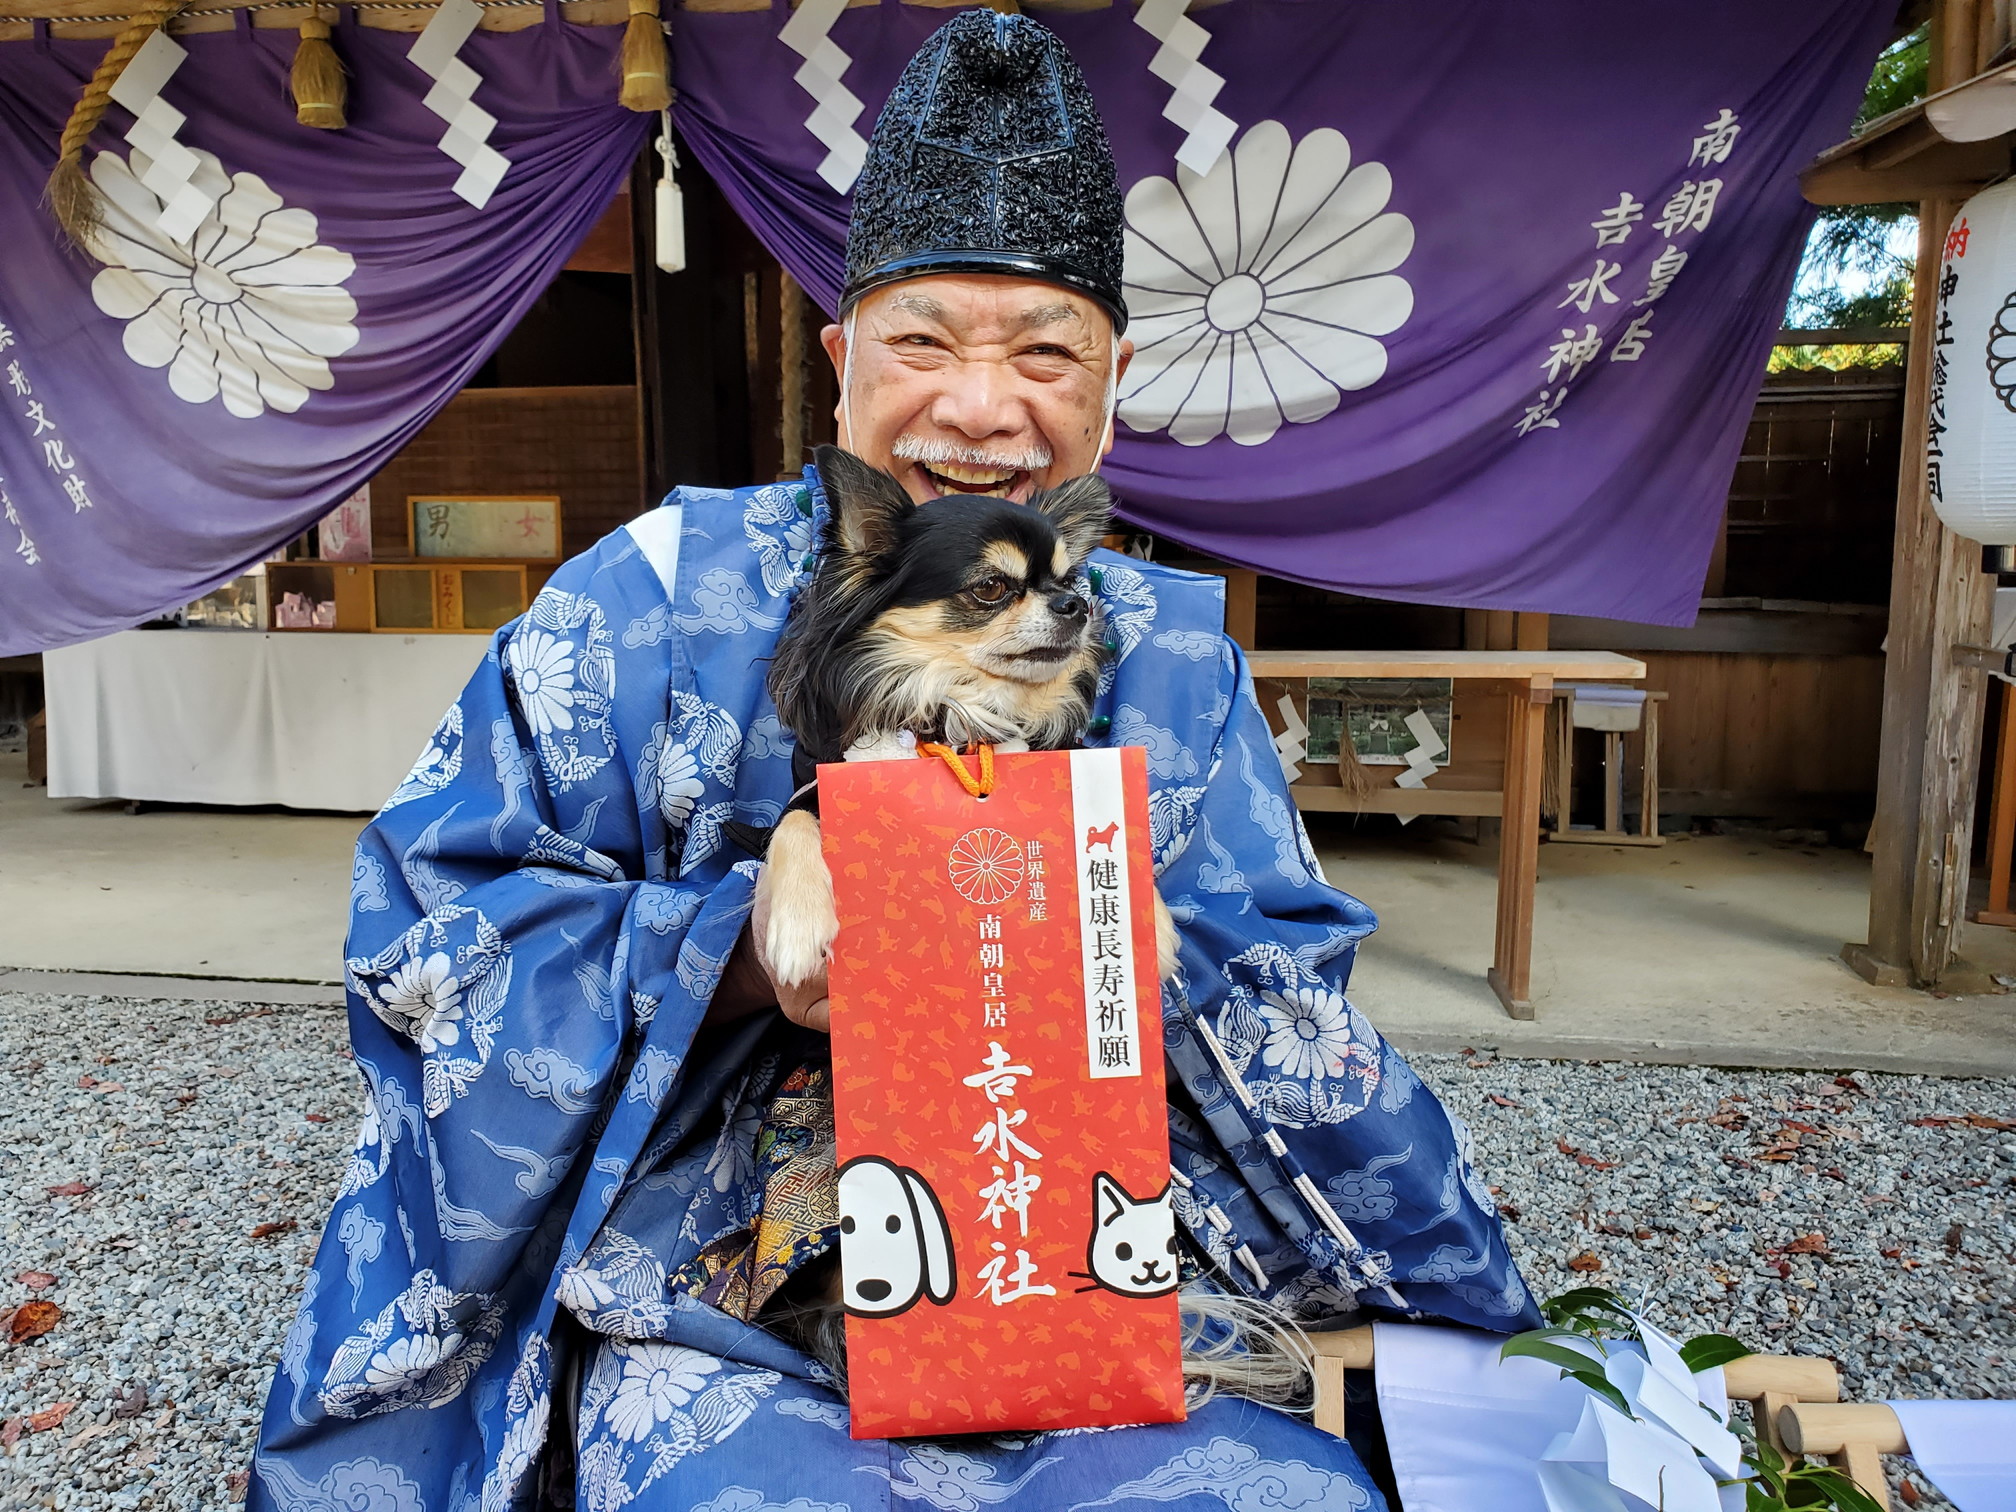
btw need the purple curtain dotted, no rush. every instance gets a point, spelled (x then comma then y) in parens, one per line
(1472, 312)
(166, 421)
(1410, 338)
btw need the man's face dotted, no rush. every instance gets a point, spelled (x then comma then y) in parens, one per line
(977, 383)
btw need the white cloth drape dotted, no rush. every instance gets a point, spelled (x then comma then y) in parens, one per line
(311, 721)
(1465, 1429)
(1966, 1449)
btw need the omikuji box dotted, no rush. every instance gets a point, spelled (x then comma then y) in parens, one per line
(1008, 1254)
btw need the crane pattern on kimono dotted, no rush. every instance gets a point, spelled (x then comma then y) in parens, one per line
(459, 935)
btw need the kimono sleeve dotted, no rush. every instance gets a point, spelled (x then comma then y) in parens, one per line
(511, 926)
(1348, 1185)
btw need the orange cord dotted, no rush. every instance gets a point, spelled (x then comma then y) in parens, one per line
(976, 787)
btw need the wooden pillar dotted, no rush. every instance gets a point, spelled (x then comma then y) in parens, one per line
(1939, 599)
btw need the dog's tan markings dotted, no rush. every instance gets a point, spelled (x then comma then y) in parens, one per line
(1007, 559)
(923, 623)
(1060, 559)
(802, 920)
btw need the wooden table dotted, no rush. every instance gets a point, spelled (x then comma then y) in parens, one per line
(1512, 688)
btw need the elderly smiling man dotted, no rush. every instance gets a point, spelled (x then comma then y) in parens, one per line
(597, 1142)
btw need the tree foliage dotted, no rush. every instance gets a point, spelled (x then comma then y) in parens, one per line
(1854, 273)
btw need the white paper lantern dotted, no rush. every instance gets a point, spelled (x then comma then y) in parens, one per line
(1970, 453)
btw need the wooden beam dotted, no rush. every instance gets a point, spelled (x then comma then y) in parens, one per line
(1939, 599)
(16, 15)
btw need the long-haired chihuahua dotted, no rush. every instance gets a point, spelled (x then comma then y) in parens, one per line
(956, 621)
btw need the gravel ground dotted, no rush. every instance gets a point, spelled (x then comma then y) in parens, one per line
(189, 1123)
(1863, 1218)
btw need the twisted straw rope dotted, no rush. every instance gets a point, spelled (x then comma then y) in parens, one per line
(98, 93)
(70, 195)
(266, 5)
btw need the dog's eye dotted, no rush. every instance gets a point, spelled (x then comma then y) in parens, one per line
(991, 590)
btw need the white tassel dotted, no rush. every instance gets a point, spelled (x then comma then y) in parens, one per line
(669, 228)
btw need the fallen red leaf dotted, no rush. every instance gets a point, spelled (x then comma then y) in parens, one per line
(1508, 1212)
(72, 1189)
(1803, 1128)
(10, 1433)
(1849, 1082)
(268, 1230)
(316, 1117)
(1890, 1254)
(110, 1087)
(87, 1081)
(1583, 1157)
(1908, 1493)
(47, 1418)
(1585, 1262)
(1983, 1121)
(1808, 1244)
(1784, 1270)
(236, 1482)
(1503, 1102)
(36, 1280)
(33, 1319)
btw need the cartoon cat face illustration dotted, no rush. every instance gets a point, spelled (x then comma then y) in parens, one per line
(1133, 1246)
(895, 1246)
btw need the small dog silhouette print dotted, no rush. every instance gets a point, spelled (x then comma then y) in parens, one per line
(1102, 837)
(1133, 1246)
(895, 1246)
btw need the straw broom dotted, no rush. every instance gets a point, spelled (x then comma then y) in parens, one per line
(647, 74)
(317, 81)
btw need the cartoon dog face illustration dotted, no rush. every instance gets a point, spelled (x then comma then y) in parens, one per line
(1133, 1246)
(895, 1246)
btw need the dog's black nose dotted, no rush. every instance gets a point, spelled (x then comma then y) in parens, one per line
(874, 1289)
(1067, 604)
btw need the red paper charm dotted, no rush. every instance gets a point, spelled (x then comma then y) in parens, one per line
(1008, 1252)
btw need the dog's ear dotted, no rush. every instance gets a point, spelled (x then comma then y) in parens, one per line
(1080, 510)
(868, 506)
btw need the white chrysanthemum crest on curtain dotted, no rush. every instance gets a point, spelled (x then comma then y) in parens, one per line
(248, 307)
(1259, 291)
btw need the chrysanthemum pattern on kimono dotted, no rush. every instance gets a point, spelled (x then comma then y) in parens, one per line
(539, 918)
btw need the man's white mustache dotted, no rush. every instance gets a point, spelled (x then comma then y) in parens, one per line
(920, 449)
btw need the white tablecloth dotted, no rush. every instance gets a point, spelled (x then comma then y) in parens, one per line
(309, 720)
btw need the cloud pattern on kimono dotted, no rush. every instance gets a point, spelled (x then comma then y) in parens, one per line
(547, 1073)
(1239, 1477)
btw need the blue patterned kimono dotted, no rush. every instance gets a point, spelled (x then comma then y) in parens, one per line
(539, 917)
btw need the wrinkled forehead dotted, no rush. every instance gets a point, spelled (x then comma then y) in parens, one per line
(987, 309)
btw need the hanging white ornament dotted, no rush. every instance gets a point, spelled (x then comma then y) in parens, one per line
(170, 164)
(836, 107)
(455, 82)
(1970, 453)
(1208, 130)
(668, 204)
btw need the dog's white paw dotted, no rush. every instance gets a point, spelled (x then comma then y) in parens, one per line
(802, 924)
(1167, 941)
